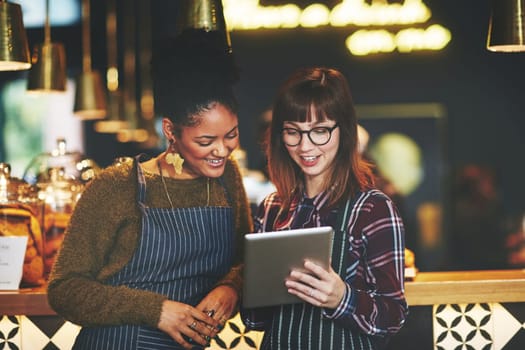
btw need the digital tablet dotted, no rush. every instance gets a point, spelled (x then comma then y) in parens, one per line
(270, 256)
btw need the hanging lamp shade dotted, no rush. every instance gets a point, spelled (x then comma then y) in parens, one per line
(203, 14)
(114, 120)
(144, 76)
(48, 70)
(90, 95)
(14, 49)
(135, 132)
(507, 26)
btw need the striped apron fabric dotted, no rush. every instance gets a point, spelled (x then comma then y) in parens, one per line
(182, 253)
(302, 326)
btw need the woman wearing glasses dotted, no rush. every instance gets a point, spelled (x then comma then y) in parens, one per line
(314, 163)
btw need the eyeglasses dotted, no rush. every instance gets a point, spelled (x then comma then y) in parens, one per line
(319, 136)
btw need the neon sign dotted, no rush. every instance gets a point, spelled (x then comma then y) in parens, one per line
(375, 17)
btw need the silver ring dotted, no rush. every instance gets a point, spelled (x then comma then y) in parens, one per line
(193, 325)
(210, 312)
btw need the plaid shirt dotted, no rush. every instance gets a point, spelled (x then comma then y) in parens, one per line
(374, 300)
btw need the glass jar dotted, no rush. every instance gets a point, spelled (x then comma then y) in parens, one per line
(60, 176)
(60, 193)
(74, 164)
(21, 215)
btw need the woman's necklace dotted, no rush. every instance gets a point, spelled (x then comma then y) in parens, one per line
(168, 194)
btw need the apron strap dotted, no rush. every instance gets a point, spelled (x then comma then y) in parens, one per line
(340, 235)
(141, 191)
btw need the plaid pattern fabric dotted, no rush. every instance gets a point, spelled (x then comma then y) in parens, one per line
(374, 303)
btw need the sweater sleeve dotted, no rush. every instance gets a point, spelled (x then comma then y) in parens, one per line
(100, 239)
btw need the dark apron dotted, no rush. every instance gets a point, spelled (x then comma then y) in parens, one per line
(182, 254)
(302, 326)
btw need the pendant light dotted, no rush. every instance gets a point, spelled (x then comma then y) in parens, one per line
(507, 26)
(48, 70)
(204, 14)
(144, 53)
(114, 120)
(14, 49)
(90, 95)
(135, 132)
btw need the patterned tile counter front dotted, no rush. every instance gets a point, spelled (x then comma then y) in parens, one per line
(28, 323)
(52, 332)
(448, 310)
(474, 310)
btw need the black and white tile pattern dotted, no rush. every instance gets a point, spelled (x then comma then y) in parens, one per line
(52, 333)
(488, 326)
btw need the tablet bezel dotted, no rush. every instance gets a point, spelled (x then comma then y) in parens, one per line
(270, 256)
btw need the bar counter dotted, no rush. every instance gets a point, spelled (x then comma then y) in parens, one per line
(439, 301)
(427, 288)
(457, 287)
(25, 301)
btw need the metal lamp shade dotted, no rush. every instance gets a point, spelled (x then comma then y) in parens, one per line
(111, 125)
(14, 49)
(115, 120)
(203, 14)
(507, 26)
(48, 72)
(90, 98)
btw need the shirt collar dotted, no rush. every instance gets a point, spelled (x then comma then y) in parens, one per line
(318, 201)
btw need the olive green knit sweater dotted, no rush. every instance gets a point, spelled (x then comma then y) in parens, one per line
(102, 236)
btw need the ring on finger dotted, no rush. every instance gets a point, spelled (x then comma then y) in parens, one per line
(210, 313)
(193, 325)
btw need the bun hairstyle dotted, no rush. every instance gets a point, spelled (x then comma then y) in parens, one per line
(192, 72)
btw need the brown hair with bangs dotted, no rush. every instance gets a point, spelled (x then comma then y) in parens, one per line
(317, 94)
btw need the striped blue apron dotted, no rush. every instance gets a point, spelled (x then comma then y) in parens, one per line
(302, 326)
(182, 253)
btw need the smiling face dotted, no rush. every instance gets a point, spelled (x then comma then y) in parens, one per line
(314, 160)
(206, 146)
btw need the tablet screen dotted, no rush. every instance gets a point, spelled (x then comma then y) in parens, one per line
(270, 256)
